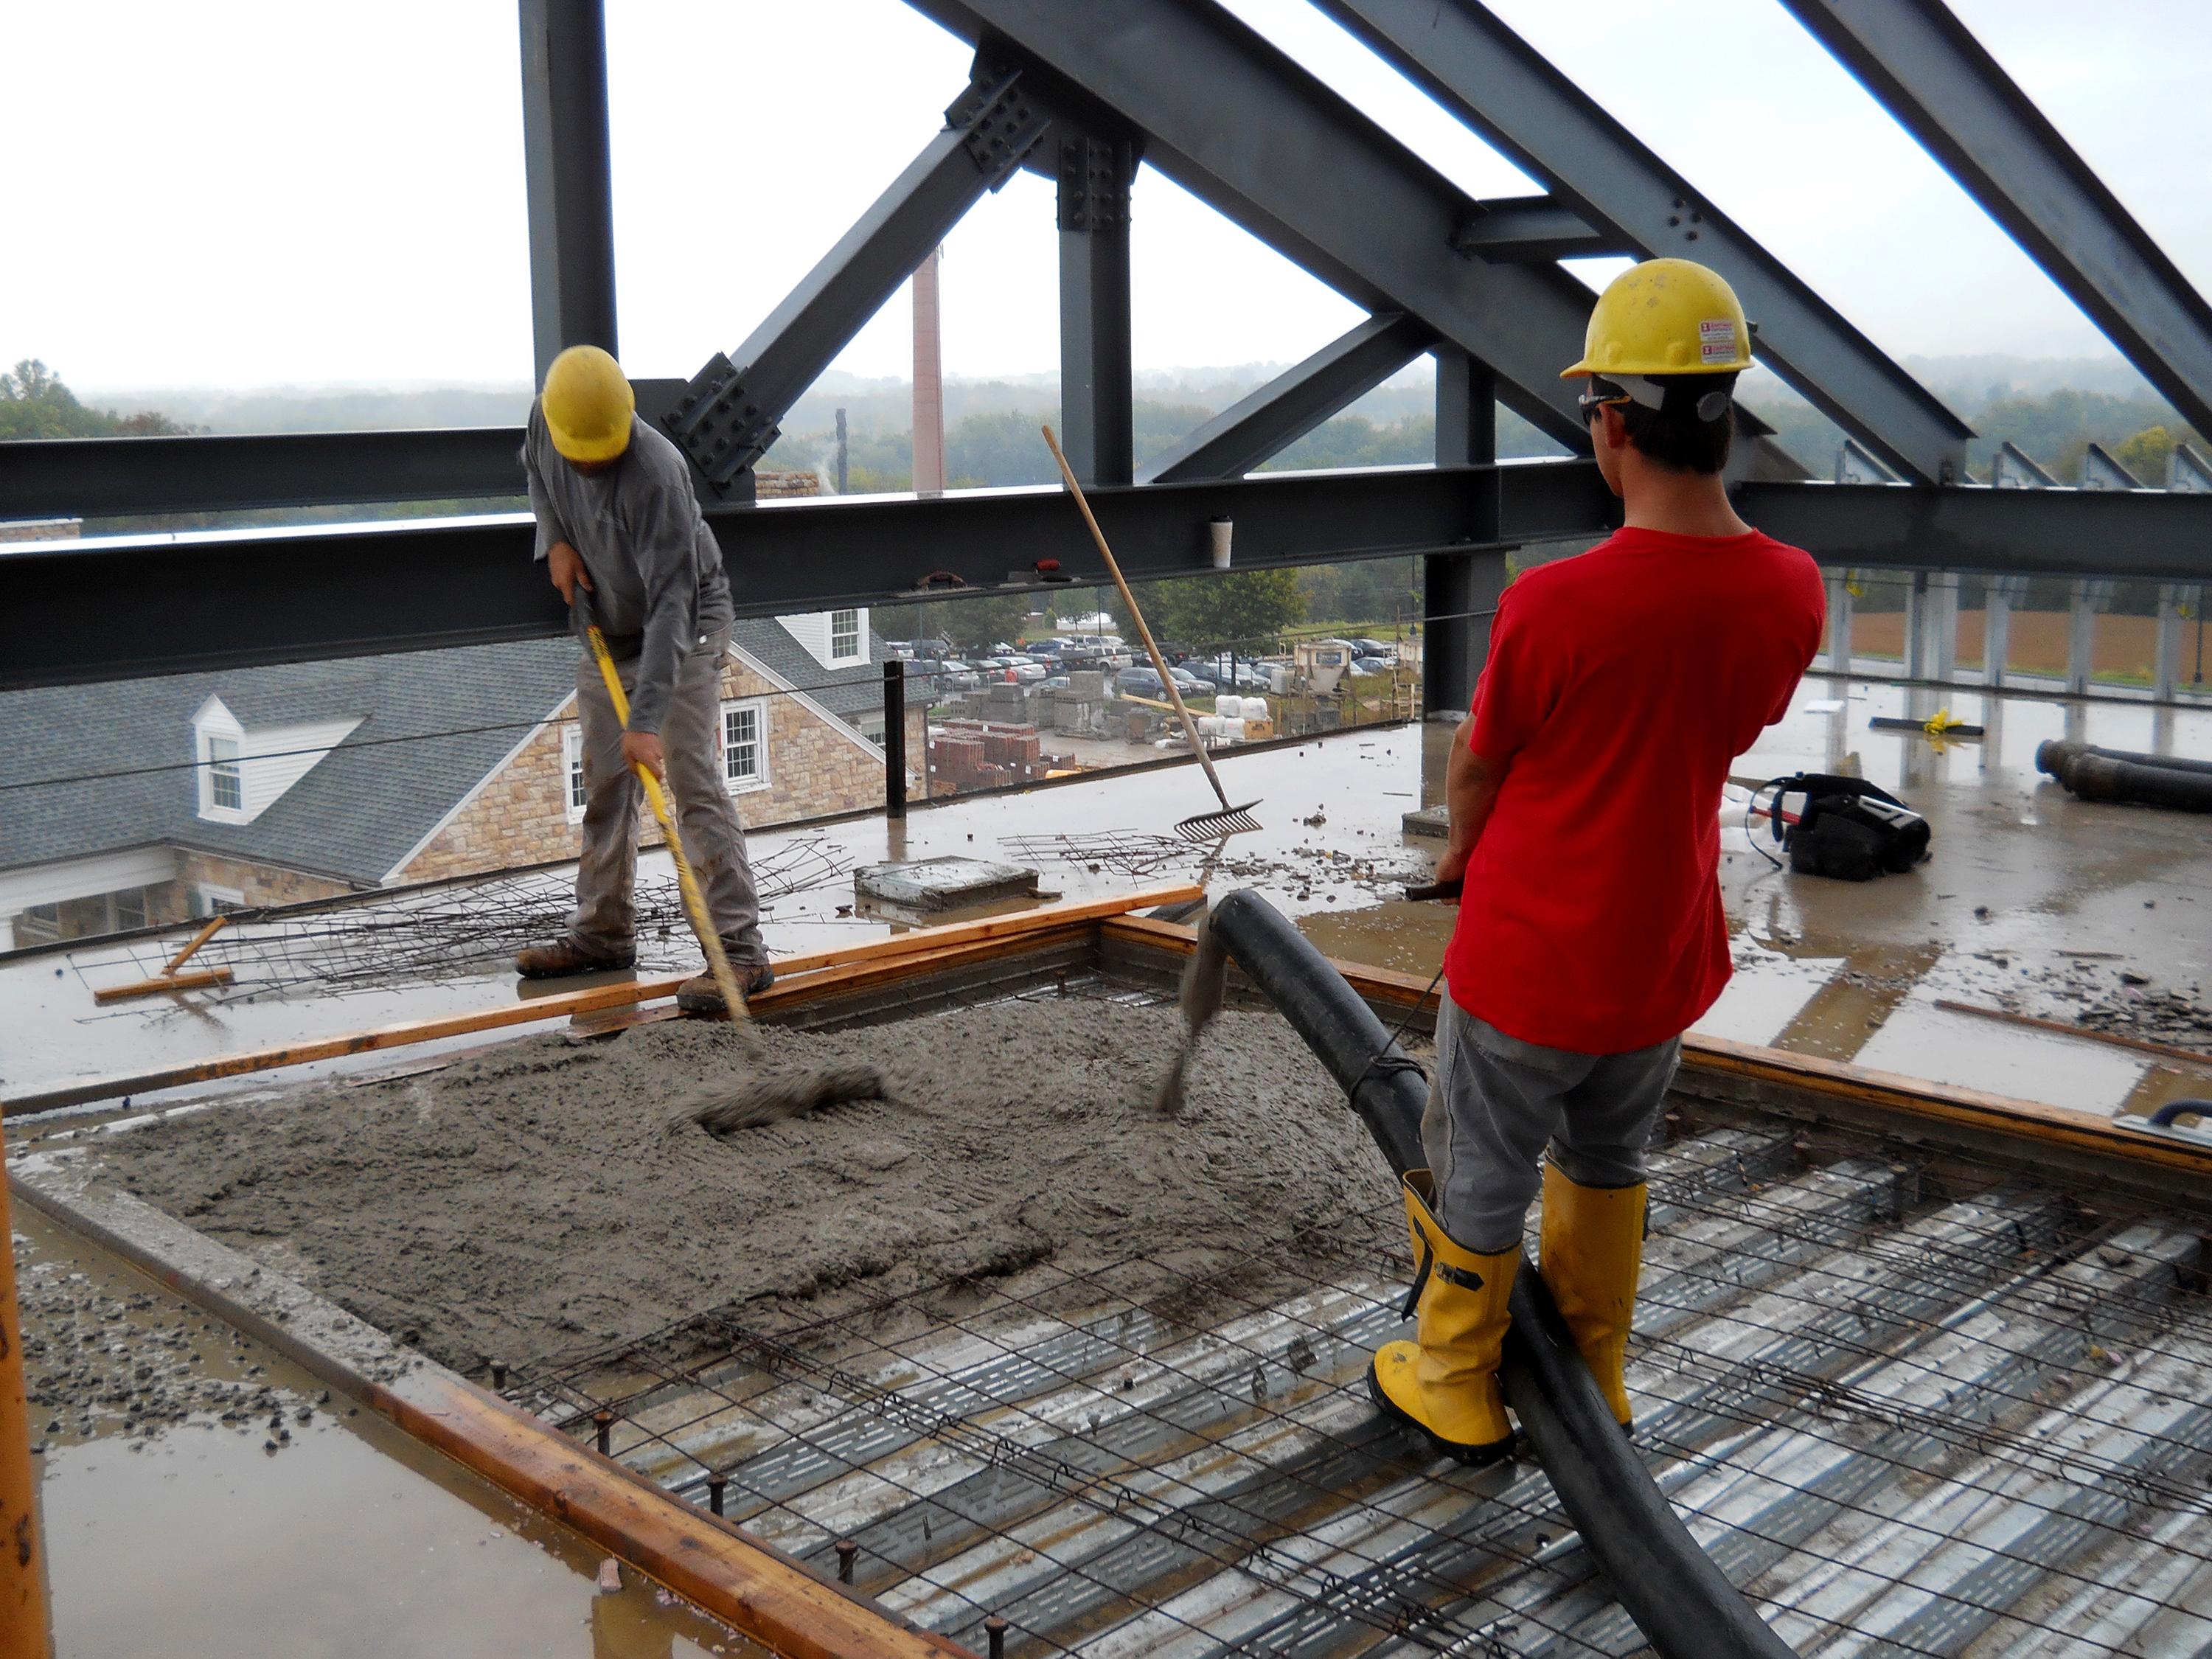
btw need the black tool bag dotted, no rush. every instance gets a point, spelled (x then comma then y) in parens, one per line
(1849, 828)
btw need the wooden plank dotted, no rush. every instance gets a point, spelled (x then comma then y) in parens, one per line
(802, 972)
(198, 979)
(2088, 1034)
(990, 928)
(192, 946)
(2028, 1120)
(741, 1580)
(1936, 1102)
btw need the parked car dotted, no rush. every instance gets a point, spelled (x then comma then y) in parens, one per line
(1030, 673)
(1369, 665)
(1382, 649)
(1232, 674)
(1058, 683)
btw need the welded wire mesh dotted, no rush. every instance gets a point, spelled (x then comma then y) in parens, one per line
(453, 932)
(1845, 1364)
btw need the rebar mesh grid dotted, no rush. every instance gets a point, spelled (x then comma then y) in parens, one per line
(1844, 1374)
(450, 932)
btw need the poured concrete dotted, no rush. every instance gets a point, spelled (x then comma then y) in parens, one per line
(345, 1536)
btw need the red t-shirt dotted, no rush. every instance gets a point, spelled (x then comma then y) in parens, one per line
(1620, 686)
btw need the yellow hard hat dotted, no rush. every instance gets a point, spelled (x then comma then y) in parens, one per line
(587, 404)
(1665, 316)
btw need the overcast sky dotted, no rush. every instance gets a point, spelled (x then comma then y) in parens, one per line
(236, 194)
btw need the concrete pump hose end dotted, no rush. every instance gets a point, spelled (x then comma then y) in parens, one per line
(1685, 1606)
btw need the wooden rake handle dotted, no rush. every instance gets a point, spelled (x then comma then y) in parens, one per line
(1159, 662)
(695, 901)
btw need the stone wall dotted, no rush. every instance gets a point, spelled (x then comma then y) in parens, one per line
(260, 884)
(521, 815)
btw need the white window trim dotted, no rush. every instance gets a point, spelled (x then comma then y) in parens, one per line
(206, 739)
(213, 899)
(761, 781)
(572, 758)
(858, 653)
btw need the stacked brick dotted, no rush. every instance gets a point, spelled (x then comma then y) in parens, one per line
(965, 755)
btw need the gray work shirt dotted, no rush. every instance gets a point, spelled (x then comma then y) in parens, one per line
(656, 583)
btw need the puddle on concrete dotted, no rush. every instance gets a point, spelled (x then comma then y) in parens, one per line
(347, 1538)
(1408, 939)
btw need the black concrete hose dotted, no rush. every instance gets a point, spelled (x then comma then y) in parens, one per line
(1683, 1604)
(2148, 780)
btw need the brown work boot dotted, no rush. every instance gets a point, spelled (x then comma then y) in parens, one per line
(567, 959)
(701, 995)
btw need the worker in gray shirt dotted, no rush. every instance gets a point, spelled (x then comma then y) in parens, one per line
(617, 518)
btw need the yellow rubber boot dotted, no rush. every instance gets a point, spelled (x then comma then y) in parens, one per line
(1592, 1252)
(1446, 1384)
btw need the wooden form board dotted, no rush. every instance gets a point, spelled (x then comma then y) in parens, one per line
(1971, 1109)
(799, 978)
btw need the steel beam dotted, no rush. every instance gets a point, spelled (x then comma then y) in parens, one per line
(104, 477)
(1295, 401)
(1944, 89)
(136, 606)
(1098, 424)
(1471, 63)
(1235, 121)
(1530, 229)
(726, 417)
(2146, 536)
(566, 174)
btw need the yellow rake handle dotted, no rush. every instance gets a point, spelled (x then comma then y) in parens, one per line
(695, 901)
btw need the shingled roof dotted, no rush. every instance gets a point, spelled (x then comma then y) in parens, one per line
(434, 725)
(845, 692)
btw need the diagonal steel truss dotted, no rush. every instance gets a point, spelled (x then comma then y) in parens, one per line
(1081, 94)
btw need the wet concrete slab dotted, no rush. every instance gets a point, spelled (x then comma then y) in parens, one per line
(310, 1527)
(2022, 872)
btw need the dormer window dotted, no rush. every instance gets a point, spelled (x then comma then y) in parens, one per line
(226, 792)
(835, 639)
(244, 771)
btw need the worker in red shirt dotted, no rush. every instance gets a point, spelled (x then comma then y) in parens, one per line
(1585, 795)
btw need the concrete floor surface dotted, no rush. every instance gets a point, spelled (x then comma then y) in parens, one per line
(349, 1541)
(352, 1540)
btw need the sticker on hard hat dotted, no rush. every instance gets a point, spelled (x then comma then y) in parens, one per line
(1716, 340)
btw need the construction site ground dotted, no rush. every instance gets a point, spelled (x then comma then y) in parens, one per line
(191, 1449)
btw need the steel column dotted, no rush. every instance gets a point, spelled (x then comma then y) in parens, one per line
(1455, 642)
(1931, 626)
(2083, 601)
(1096, 425)
(565, 168)
(1235, 121)
(1840, 621)
(1945, 89)
(1477, 67)
(1297, 401)
(1999, 595)
(894, 738)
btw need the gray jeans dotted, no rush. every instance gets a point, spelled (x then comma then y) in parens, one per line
(1497, 1101)
(605, 922)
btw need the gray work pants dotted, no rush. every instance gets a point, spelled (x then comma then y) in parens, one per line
(605, 922)
(1497, 1101)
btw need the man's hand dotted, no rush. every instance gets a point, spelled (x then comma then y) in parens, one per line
(643, 749)
(566, 566)
(1452, 866)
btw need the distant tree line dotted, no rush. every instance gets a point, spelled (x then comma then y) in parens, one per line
(34, 404)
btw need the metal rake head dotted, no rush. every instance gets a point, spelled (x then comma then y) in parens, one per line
(1212, 826)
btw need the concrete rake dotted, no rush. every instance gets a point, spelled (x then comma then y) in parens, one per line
(1202, 826)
